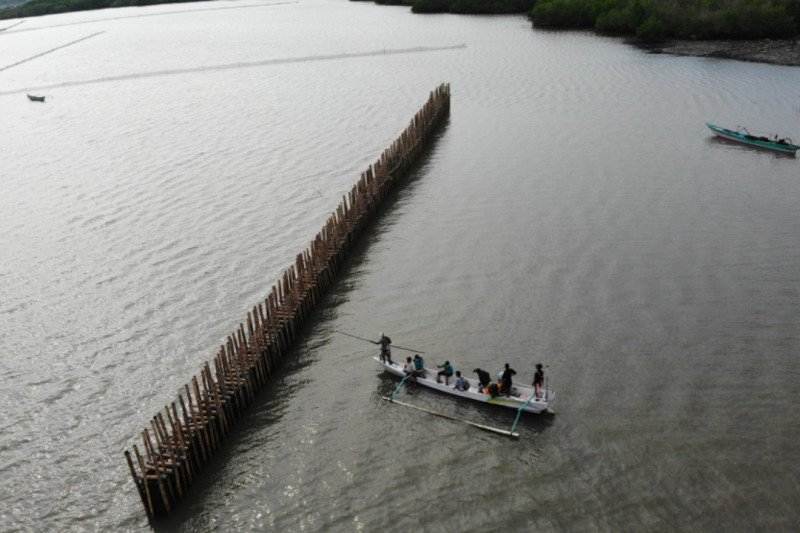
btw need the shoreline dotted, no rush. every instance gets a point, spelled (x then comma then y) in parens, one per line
(773, 51)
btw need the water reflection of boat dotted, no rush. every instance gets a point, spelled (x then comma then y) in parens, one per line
(34, 98)
(741, 135)
(520, 395)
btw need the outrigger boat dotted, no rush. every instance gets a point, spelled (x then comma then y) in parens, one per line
(741, 135)
(522, 396)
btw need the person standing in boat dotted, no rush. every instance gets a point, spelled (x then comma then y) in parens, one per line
(447, 372)
(483, 378)
(538, 380)
(386, 352)
(505, 383)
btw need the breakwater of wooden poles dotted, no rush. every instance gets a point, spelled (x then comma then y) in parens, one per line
(183, 436)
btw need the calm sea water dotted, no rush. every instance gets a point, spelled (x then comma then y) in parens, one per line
(574, 211)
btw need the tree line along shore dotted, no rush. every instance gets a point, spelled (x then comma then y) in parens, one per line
(647, 20)
(764, 31)
(738, 24)
(36, 8)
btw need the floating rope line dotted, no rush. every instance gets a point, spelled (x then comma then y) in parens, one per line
(50, 51)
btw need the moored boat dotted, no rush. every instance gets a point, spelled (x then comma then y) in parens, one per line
(34, 98)
(741, 135)
(520, 394)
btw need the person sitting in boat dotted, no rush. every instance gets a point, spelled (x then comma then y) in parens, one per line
(461, 383)
(492, 390)
(538, 380)
(419, 366)
(505, 380)
(447, 371)
(386, 352)
(483, 378)
(408, 367)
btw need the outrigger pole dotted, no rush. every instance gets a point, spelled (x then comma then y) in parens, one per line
(479, 426)
(373, 342)
(402, 382)
(473, 424)
(519, 411)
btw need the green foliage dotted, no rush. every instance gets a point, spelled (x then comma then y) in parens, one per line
(571, 13)
(562, 14)
(494, 7)
(651, 29)
(754, 20)
(430, 6)
(614, 21)
(688, 19)
(487, 7)
(792, 8)
(36, 8)
(647, 19)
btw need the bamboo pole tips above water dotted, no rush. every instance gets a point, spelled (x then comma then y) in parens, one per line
(247, 360)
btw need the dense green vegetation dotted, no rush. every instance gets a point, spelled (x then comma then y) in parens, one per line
(34, 8)
(647, 19)
(685, 19)
(485, 7)
(477, 7)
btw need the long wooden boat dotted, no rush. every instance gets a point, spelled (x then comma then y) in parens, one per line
(743, 136)
(520, 394)
(34, 98)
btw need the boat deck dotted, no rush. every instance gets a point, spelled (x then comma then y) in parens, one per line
(519, 393)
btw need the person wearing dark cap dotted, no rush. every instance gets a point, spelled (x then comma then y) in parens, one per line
(447, 371)
(408, 367)
(506, 381)
(419, 366)
(386, 352)
(538, 380)
(461, 383)
(483, 378)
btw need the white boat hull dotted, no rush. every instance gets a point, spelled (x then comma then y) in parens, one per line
(519, 393)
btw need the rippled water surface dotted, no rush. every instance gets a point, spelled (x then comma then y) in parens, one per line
(574, 210)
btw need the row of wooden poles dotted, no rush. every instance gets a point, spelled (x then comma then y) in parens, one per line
(184, 435)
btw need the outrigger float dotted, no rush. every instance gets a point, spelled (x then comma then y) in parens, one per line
(522, 398)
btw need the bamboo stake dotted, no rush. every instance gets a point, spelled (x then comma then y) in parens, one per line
(246, 362)
(149, 507)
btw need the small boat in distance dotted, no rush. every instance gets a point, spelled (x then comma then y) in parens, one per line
(34, 98)
(741, 135)
(521, 395)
